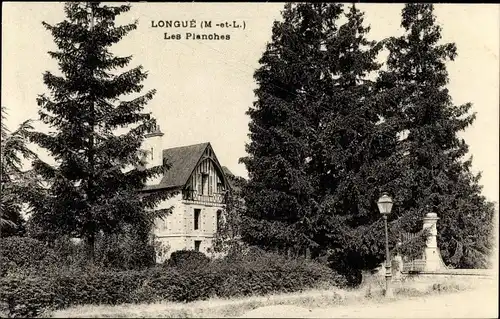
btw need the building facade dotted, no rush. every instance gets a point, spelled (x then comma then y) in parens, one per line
(200, 186)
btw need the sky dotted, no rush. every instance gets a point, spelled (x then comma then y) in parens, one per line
(205, 87)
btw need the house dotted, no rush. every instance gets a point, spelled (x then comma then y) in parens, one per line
(201, 186)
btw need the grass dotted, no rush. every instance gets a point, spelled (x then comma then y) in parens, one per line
(214, 307)
(371, 291)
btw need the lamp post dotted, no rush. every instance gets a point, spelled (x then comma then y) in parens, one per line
(384, 206)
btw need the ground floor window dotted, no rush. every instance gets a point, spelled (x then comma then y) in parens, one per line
(197, 213)
(197, 244)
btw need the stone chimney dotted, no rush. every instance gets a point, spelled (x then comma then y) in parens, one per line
(431, 252)
(153, 145)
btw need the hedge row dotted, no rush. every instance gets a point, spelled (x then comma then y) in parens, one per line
(32, 255)
(28, 295)
(24, 253)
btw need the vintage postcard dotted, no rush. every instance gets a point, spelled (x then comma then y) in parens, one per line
(245, 159)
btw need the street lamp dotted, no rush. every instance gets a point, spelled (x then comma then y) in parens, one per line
(384, 206)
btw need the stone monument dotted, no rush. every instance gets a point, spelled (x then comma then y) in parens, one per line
(432, 255)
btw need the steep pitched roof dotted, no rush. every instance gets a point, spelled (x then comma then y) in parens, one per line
(183, 161)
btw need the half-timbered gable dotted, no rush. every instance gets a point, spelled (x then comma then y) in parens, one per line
(207, 182)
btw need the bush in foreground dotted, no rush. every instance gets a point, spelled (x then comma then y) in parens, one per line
(187, 259)
(24, 254)
(29, 295)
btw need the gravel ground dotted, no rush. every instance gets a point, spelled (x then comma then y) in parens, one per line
(478, 303)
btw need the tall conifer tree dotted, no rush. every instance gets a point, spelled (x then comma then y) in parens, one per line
(434, 177)
(352, 151)
(94, 186)
(315, 139)
(279, 196)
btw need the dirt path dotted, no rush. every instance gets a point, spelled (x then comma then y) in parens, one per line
(478, 303)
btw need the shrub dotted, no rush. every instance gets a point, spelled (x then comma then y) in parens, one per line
(252, 274)
(7, 266)
(26, 254)
(124, 251)
(187, 259)
(258, 273)
(23, 296)
(26, 295)
(121, 251)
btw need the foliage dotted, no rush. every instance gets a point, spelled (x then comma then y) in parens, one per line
(23, 296)
(413, 248)
(279, 195)
(266, 272)
(351, 153)
(28, 295)
(318, 157)
(96, 134)
(120, 251)
(326, 140)
(26, 254)
(16, 185)
(227, 236)
(433, 174)
(187, 259)
(124, 251)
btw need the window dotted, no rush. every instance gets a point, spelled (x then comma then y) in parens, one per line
(152, 153)
(197, 213)
(197, 244)
(204, 184)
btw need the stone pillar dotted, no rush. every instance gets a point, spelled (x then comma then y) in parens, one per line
(431, 253)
